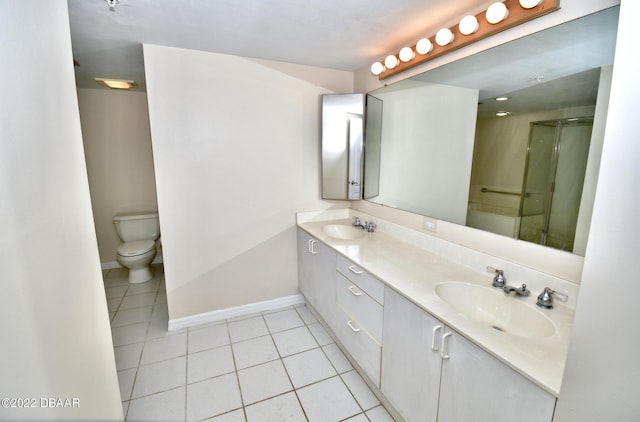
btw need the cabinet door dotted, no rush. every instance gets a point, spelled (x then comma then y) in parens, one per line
(324, 282)
(410, 376)
(475, 386)
(306, 267)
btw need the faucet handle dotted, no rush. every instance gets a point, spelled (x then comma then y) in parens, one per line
(523, 291)
(356, 221)
(499, 280)
(369, 226)
(545, 299)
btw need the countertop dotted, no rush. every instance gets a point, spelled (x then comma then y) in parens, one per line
(415, 272)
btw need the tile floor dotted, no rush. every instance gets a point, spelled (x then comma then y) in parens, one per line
(276, 366)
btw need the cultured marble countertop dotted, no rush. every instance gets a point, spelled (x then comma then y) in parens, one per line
(414, 273)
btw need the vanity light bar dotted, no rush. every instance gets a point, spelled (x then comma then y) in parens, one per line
(498, 17)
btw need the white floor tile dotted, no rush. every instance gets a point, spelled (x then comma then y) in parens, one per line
(283, 320)
(160, 328)
(337, 358)
(128, 334)
(255, 351)
(160, 376)
(263, 381)
(125, 380)
(115, 291)
(165, 406)
(132, 316)
(358, 418)
(306, 315)
(160, 312)
(379, 414)
(113, 304)
(210, 363)
(294, 341)
(278, 409)
(212, 397)
(360, 390)
(208, 337)
(164, 348)
(128, 356)
(247, 329)
(233, 416)
(146, 287)
(320, 334)
(308, 367)
(137, 301)
(327, 401)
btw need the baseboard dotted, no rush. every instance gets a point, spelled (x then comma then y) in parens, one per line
(114, 264)
(236, 311)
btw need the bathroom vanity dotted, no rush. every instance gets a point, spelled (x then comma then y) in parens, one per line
(428, 331)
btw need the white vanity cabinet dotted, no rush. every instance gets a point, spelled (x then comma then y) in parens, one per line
(317, 275)
(431, 373)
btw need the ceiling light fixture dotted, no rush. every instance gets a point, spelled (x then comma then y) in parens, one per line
(502, 113)
(112, 4)
(116, 83)
(499, 16)
(502, 98)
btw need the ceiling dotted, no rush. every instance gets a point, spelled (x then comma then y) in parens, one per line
(336, 34)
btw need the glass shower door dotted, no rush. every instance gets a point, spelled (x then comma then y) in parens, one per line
(556, 165)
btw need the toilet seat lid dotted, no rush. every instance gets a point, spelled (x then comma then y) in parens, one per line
(137, 247)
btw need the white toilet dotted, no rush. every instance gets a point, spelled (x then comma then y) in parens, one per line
(139, 232)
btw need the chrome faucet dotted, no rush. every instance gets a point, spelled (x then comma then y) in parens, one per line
(545, 299)
(499, 280)
(357, 222)
(369, 226)
(519, 291)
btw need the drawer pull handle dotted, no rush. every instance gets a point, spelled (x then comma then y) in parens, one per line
(355, 270)
(444, 353)
(434, 345)
(353, 291)
(354, 329)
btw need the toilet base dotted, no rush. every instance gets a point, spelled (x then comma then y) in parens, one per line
(140, 275)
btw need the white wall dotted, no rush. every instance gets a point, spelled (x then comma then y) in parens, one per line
(603, 369)
(56, 339)
(117, 146)
(236, 153)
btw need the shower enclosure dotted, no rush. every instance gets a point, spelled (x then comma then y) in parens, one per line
(554, 174)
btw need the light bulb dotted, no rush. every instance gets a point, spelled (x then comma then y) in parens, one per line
(529, 4)
(407, 54)
(468, 25)
(496, 13)
(391, 61)
(444, 37)
(377, 68)
(424, 46)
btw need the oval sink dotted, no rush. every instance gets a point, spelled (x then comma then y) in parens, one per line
(343, 232)
(495, 309)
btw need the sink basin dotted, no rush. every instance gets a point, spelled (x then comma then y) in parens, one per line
(343, 232)
(495, 309)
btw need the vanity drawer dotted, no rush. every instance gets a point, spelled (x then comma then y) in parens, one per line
(362, 348)
(371, 285)
(365, 311)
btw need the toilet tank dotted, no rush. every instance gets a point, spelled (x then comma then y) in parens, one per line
(137, 226)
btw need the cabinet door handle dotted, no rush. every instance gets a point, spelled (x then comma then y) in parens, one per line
(436, 329)
(353, 291)
(354, 329)
(443, 346)
(312, 244)
(355, 270)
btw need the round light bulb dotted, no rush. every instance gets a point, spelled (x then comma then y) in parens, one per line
(391, 61)
(377, 68)
(496, 13)
(424, 46)
(406, 54)
(468, 25)
(529, 4)
(444, 37)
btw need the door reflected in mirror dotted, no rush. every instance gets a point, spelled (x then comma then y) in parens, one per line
(441, 151)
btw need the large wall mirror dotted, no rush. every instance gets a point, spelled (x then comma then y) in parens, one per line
(443, 145)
